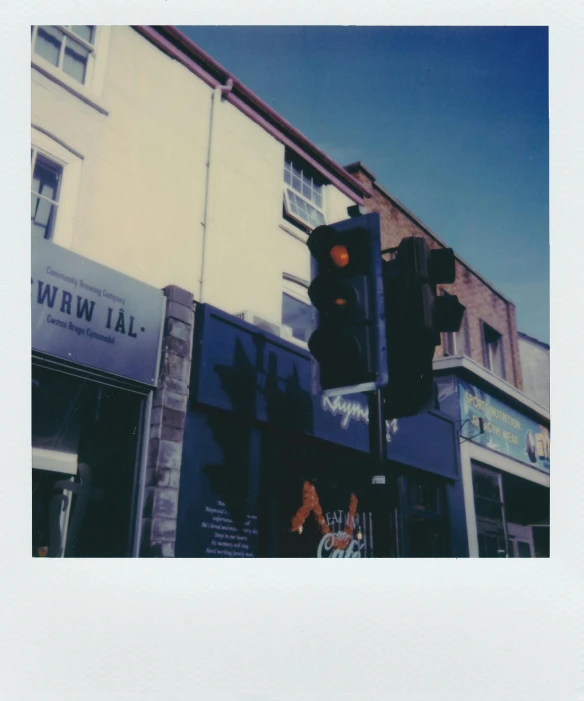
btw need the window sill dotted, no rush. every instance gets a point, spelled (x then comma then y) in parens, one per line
(296, 233)
(60, 78)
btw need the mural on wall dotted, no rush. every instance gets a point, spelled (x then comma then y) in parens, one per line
(343, 533)
(505, 429)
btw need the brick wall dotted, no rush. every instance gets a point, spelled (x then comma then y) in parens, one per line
(159, 515)
(482, 302)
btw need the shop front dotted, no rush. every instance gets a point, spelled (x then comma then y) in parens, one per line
(505, 463)
(96, 338)
(272, 469)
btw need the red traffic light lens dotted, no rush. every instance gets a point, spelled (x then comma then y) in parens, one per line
(339, 255)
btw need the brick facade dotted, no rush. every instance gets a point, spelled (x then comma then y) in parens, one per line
(167, 423)
(482, 301)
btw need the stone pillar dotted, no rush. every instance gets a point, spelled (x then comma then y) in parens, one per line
(159, 516)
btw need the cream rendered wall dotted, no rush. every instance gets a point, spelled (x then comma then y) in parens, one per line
(140, 195)
(242, 261)
(336, 205)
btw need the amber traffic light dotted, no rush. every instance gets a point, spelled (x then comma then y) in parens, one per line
(348, 342)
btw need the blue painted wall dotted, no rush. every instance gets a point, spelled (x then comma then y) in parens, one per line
(252, 420)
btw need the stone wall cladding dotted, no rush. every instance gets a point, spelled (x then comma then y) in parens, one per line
(167, 422)
(482, 302)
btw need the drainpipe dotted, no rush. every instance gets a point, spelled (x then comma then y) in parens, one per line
(220, 91)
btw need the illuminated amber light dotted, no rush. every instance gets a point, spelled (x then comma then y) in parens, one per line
(340, 256)
(340, 302)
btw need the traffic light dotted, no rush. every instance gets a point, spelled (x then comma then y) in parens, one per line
(347, 291)
(415, 317)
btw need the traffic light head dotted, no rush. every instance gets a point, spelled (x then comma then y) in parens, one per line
(415, 317)
(347, 291)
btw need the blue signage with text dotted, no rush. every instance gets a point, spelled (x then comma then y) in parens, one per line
(505, 430)
(86, 313)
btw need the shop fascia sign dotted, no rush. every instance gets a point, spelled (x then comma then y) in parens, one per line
(89, 314)
(353, 410)
(504, 429)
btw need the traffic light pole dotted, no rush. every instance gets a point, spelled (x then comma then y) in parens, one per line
(382, 504)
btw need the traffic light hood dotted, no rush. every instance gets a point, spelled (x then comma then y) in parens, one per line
(346, 251)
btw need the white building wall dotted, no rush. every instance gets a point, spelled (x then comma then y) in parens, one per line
(535, 369)
(135, 180)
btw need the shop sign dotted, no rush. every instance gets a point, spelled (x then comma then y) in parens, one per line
(354, 410)
(87, 313)
(505, 430)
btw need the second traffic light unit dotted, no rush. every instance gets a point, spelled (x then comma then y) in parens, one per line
(415, 318)
(349, 342)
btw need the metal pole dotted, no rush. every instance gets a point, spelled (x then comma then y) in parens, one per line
(381, 507)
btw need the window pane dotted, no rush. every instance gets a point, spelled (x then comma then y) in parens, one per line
(523, 549)
(296, 184)
(462, 344)
(287, 177)
(306, 191)
(497, 357)
(75, 61)
(48, 44)
(423, 496)
(318, 200)
(42, 217)
(425, 538)
(85, 31)
(46, 178)
(297, 315)
(486, 485)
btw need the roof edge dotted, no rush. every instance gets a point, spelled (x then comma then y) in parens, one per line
(527, 337)
(179, 46)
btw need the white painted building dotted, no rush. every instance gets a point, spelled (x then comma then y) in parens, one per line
(153, 160)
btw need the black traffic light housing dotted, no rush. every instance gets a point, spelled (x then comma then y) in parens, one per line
(349, 340)
(415, 318)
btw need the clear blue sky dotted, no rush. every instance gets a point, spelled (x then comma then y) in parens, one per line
(453, 121)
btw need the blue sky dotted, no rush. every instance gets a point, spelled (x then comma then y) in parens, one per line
(453, 121)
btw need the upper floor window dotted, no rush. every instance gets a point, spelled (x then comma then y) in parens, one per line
(45, 192)
(69, 48)
(296, 308)
(493, 351)
(457, 342)
(303, 195)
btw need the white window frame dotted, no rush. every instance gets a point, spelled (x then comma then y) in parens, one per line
(452, 338)
(91, 90)
(70, 162)
(288, 188)
(488, 350)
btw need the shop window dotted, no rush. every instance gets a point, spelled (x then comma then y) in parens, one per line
(493, 351)
(458, 342)
(69, 48)
(84, 457)
(296, 308)
(46, 177)
(490, 512)
(303, 195)
(424, 528)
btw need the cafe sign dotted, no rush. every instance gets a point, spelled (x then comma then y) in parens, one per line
(86, 313)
